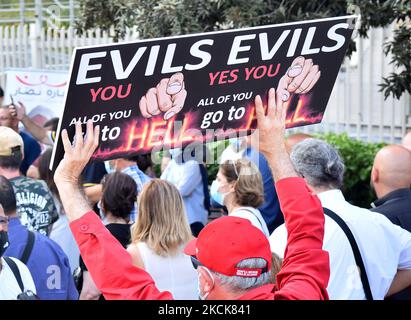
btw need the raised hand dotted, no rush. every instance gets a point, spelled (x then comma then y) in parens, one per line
(76, 155)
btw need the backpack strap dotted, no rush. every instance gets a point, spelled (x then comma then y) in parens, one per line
(29, 247)
(15, 269)
(355, 249)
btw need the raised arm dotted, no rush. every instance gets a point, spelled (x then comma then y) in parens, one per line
(107, 261)
(39, 133)
(305, 270)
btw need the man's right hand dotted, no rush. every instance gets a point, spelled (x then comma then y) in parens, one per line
(18, 111)
(271, 136)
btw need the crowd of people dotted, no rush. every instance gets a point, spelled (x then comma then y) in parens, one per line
(120, 230)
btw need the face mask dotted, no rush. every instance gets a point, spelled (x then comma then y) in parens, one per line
(215, 194)
(4, 242)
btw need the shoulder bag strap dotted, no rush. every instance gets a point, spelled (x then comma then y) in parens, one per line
(15, 269)
(355, 249)
(29, 247)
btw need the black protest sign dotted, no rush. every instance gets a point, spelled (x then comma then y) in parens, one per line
(169, 92)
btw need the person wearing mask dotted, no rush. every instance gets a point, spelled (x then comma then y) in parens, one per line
(239, 188)
(46, 261)
(383, 248)
(162, 256)
(119, 196)
(231, 256)
(35, 205)
(9, 287)
(184, 171)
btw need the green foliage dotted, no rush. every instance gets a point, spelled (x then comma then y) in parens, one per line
(358, 159)
(159, 18)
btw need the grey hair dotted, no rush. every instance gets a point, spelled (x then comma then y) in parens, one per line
(319, 163)
(236, 283)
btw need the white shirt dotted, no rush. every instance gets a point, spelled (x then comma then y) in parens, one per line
(172, 273)
(384, 246)
(253, 215)
(9, 287)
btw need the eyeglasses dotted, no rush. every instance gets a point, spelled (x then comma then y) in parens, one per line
(4, 220)
(195, 262)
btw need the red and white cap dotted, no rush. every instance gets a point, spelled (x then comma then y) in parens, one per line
(226, 241)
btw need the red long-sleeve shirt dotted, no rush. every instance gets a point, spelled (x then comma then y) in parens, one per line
(304, 273)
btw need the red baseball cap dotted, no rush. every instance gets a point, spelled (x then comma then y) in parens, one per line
(226, 241)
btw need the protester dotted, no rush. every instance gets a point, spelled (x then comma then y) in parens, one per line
(129, 166)
(232, 256)
(185, 173)
(406, 141)
(35, 205)
(162, 256)
(60, 232)
(9, 286)
(391, 181)
(44, 258)
(239, 148)
(119, 196)
(239, 187)
(31, 147)
(384, 247)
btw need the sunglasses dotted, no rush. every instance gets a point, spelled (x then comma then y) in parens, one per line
(4, 220)
(195, 262)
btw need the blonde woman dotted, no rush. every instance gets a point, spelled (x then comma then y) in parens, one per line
(158, 238)
(239, 187)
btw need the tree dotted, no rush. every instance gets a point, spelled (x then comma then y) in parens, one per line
(174, 17)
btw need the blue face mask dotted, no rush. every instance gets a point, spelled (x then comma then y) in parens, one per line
(215, 194)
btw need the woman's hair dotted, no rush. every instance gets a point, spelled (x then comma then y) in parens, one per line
(248, 183)
(45, 173)
(119, 194)
(161, 222)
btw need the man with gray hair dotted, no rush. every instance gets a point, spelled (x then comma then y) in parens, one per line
(384, 247)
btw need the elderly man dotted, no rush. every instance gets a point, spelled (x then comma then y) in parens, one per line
(240, 270)
(383, 246)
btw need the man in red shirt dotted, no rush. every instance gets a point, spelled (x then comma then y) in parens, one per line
(228, 248)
